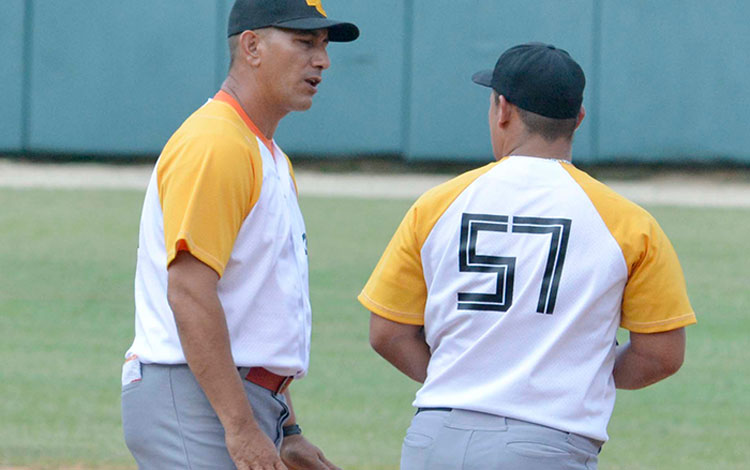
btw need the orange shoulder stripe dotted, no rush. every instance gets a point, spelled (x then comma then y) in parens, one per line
(225, 97)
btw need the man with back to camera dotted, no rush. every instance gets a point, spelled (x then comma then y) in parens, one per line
(503, 289)
(222, 302)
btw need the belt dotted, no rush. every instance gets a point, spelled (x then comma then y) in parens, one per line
(268, 380)
(419, 410)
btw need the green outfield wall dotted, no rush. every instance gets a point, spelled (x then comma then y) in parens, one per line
(12, 74)
(667, 80)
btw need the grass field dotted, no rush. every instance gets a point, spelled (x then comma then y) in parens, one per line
(66, 317)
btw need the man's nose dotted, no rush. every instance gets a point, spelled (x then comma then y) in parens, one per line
(321, 59)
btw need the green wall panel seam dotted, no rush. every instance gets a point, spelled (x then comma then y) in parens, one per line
(407, 77)
(28, 19)
(595, 80)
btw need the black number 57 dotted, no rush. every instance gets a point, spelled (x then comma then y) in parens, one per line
(505, 266)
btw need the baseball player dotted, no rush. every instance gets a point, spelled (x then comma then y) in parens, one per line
(502, 290)
(221, 289)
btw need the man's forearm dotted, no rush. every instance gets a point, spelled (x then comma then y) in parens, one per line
(410, 355)
(192, 295)
(292, 419)
(633, 371)
(205, 342)
(648, 358)
(402, 345)
(202, 328)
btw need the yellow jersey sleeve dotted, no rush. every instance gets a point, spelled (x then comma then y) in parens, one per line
(208, 183)
(655, 297)
(396, 289)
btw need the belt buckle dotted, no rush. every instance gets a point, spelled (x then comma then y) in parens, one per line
(284, 384)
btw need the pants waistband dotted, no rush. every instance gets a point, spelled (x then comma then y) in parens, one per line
(257, 375)
(513, 421)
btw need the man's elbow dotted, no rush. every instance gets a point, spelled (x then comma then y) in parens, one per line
(662, 353)
(383, 334)
(190, 282)
(671, 363)
(672, 354)
(378, 340)
(179, 294)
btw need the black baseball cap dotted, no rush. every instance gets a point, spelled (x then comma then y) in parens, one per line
(290, 14)
(539, 78)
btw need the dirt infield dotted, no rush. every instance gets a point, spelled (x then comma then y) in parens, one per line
(708, 190)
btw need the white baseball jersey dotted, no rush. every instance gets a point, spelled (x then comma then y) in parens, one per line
(223, 192)
(521, 272)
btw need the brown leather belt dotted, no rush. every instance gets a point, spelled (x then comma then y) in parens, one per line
(268, 380)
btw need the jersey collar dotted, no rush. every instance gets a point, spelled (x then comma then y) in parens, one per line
(225, 97)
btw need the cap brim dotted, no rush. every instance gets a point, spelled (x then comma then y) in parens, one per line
(483, 78)
(338, 31)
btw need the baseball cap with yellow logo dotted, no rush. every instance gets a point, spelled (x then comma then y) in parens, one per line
(290, 14)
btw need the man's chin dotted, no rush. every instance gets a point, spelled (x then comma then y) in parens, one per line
(302, 104)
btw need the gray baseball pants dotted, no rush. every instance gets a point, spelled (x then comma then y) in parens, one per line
(468, 440)
(169, 423)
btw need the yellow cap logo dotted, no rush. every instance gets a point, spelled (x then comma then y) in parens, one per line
(318, 4)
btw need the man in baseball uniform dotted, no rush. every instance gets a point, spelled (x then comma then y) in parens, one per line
(221, 289)
(502, 291)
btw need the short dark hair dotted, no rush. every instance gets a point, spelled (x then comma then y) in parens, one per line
(549, 128)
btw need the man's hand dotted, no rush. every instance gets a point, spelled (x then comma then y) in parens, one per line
(253, 451)
(299, 454)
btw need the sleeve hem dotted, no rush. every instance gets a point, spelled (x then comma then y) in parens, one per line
(183, 243)
(659, 326)
(388, 314)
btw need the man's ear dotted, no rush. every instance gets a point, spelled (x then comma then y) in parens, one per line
(505, 109)
(249, 44)
(581, 115)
